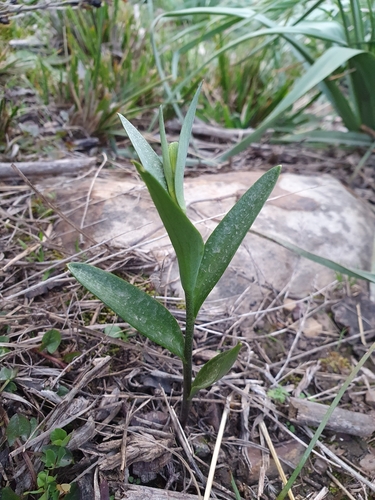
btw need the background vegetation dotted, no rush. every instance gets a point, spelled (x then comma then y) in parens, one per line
(296, 66)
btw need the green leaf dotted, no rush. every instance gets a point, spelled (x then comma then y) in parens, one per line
(69, 356)
(228, 235)
(332, 59)
(10, 387)
(18, 427)
(5, 339)
(7, 493)
(234, 487)
(353, 273)
(363, 78)
(142, 312)
(113, 331)
(74, 493)
(64, 457)
(278, 394)
(51, 341)
(59, 437)
(167, 167)
(49, 458)
(183, 147)
(185, 237)
(62, 391)
(149, 159)
(7, 373)
(331, 137)
(214, 370)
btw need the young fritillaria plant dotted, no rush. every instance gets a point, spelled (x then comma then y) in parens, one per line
(200, 264)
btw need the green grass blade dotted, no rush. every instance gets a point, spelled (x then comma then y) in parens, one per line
(332, 59)
(183, 147)
(185, 237)
(363, 79)
(149, 159)
(344, 21)
(142, 312)
(371, 14)
(353, 273)
(356, 139)
(228, 235)
(234, 487)
(214, 370)
(207, 35)
(357, 15)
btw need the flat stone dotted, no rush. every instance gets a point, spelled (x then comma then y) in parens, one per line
(316, 213)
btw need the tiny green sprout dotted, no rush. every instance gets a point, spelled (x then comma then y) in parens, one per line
(201, 264)
(278, 394)
(51, 341)
(55, 456)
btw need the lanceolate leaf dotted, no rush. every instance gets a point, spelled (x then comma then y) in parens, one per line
(185, 238)
(332, 59)
(142, 312)
(165, 152)
(228, 235)
(149, 159)
(331, 264)
(183, 147)
(363, 78)
(331, 137)
(214, 370)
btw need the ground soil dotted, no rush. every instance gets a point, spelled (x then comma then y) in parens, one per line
(118, 396)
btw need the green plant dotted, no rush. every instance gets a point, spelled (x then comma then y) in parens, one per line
(106, 68)
(51, 341)
(278, 394)
(116, 333)
(7, 374)
(242, 86)
(201, 265)
(7, 113)
(337, 58)
(3, 349)
(20, 427)
(234, 487)
(54, 456)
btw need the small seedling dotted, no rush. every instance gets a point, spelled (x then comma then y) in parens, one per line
(6, 377)
(3, 349)
(55, 455)
(278, 394)
(201, 265)
(116, 333)
(20, 427)
(51, 341)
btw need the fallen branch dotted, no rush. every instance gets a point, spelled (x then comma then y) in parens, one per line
(135, 492)
(305, 412)
(46, 168)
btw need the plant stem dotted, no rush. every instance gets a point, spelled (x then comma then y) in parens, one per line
(188, 363)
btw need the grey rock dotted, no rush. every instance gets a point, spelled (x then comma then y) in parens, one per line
(316, 213)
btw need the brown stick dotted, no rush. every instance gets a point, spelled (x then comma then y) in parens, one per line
(135, 492)
(304, 412)
(47, 168)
